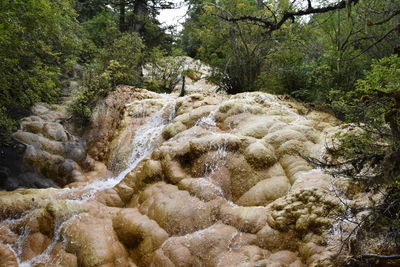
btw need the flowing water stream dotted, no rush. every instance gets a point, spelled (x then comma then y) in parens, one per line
(146, 139)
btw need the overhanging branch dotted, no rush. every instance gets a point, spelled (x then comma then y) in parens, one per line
(273, 25)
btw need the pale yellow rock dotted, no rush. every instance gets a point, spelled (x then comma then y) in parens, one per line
(265, 192)
(139, 234)
(94, 242)
(226, 185)
(174, 210)
(259, 155)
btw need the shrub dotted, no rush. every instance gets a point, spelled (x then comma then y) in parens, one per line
(94, 85)
(163, 73)
(128, 52)
(117, 64)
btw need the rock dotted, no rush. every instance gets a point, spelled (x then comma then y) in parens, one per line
(259, 156)
(7, 257)
(209, 180)
(94, 242)
(50, 149)
(139, 234)
(265, 192)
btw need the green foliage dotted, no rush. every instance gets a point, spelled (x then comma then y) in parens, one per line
(90, 8)
(306, 59)
(93, 87)
(127, 50)
(373, 96)
(115, 65)
(375, 108)
(384, 76)
(235, 50)
(37, 42)
(163, 72)
(101, 29)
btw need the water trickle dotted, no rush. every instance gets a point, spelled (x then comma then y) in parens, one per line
(218, 158)
(44, 257)
(208, 122)
(146, 139)
(144, 142)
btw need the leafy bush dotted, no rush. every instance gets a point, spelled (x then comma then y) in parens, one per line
(93, 87)
(127, 50)
(37, 41)
(101, 29)
(370, 153)
(375, 99)
(115, 65)
(163, 73)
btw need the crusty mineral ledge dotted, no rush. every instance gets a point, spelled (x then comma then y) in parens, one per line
(225, 187)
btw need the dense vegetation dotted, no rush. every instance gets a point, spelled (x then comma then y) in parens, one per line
(41, 41)
(252, 45)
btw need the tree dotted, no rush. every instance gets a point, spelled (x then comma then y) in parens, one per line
(88, 9)
(236, 50)
(369, 154)
(36, 48)
(307, 58)
(135, 14)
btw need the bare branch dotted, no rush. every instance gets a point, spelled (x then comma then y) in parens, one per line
(287, 15)
(373, 44)
(394, 14)
(309, 4)
(381, 257)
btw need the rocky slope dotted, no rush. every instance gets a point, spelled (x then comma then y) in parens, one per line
(202, 180)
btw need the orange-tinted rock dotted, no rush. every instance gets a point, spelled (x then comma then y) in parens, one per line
(7, 257)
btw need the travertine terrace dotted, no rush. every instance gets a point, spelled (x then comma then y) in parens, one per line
(201, 180)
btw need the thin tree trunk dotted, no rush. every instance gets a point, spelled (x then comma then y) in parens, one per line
(260, 4)
(139, 11)
(183, 86)
(122, 6)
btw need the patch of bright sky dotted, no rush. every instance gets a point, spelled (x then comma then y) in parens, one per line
(174, 17)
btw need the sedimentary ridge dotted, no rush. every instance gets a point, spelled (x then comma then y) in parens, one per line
(201, 180)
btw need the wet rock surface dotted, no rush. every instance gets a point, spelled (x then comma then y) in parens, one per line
(201, 180)
(50, 150)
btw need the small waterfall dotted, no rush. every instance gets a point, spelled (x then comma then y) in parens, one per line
(144, 142)
(45, 256)
(209, 123)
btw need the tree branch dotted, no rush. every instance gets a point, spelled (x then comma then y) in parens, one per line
(394, 14)
(287, 15)
(381, 257)
(309, 4)
(372, 45)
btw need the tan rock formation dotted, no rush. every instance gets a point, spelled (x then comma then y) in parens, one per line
(225, 185)
(50, 149)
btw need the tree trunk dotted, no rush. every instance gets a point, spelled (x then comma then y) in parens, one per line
(139, 11)
(122, 7)
(260, 4)
(183, 86)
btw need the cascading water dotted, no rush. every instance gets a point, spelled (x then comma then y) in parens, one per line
(144, 142)
(209, 123)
